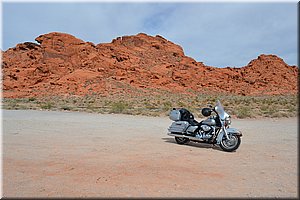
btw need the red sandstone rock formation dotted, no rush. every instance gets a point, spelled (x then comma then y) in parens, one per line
(62, 64)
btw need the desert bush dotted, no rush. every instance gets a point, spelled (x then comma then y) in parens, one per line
(167, 105)
(31, 99)
(244, 112)
(159, 104)
(118, 107)
(264, 108)
(10, 104)
(150, 106)
(47, 105)
(181, 104)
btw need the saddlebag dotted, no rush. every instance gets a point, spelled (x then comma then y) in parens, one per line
(191, 129)
(178, 127)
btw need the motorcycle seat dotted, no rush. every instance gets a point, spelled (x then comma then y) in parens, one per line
(193, 122)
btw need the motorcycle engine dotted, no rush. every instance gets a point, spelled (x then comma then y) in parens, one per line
(205, 128)
(206, 131)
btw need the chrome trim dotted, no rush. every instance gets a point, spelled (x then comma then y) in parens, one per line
(226, 134)
(185, 136)
(220, 136)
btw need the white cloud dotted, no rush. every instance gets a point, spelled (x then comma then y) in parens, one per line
(219, 34)
(232, 34)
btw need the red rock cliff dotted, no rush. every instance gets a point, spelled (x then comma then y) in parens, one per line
(63, 64)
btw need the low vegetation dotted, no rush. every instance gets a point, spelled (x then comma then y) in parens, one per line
(159, 104)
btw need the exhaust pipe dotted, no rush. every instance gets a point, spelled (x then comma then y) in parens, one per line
(185, 136)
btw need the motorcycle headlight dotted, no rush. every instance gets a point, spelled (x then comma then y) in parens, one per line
(227, 121)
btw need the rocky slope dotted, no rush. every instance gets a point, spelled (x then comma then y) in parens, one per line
(61, 64)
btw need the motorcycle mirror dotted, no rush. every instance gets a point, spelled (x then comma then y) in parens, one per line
(209, 105)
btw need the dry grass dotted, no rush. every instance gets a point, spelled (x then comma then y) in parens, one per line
(153, 103)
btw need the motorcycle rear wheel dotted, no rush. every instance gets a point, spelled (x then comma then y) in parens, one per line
(182, 140)
(232, 144)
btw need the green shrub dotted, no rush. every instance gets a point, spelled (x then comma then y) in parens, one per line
(31, 99)
(12, 105)
(46, 106)
(155, 103)
(118, 107)
(244, 112)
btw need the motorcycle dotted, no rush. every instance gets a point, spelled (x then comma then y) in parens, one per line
(213, 130)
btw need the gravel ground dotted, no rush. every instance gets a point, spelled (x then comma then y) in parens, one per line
(71, 154)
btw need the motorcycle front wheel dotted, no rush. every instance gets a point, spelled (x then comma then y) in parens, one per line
(181, 140)
(232, 144)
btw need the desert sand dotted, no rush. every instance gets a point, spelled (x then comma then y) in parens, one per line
(72, 154)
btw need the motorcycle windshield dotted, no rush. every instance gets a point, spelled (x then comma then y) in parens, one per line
(220, 110)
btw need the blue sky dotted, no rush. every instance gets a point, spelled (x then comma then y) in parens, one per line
(218, 34)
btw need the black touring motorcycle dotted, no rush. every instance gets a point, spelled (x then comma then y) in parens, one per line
(213, 130)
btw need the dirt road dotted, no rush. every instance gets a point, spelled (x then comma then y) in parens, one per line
(69, 154)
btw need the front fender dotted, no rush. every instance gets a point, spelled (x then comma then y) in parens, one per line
(227, 131)
(234, 131)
